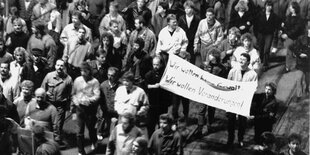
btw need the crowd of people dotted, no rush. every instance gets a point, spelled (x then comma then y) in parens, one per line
(101, 61)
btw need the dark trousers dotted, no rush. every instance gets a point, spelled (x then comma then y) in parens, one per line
(105, 125)
(61, 114)
(264, 44)
(176, 100)
(231, 127)
(260, 126)
(202, 113)
(86, 115)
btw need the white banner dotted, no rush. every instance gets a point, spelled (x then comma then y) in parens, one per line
(187, 80)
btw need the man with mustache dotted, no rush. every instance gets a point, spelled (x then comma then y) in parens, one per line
(58, 86)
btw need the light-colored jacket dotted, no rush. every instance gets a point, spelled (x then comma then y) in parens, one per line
(172, 44)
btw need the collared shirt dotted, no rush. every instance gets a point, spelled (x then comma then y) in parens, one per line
(85, 92)
(108, 93)
(131, 102)
(58, 89)
(123, 141)
(10, 87)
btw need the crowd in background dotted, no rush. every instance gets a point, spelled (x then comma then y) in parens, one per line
(101, 61)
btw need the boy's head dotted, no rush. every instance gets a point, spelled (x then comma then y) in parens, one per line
(294, 141)
(162, 7)
(165, 122)
(114, 25)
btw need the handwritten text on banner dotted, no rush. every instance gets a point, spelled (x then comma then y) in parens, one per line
(185, 79)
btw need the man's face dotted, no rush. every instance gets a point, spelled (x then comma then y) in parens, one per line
(188, 10)
(164, 125)
(210, 17)
(26, 91)
(76, 21)
(126, 124)
(128, 84)
(85, 73)
(19, 57)
(294, 145)
(59, 67)
(156, 64)
(81, 34)
(160, 9)
(40, 97)
(173, 24)
(4, 69)
(101, 58)
(243, 61)
(269, 91)
(138, 25)
(111, 75)
(140, 3)
(17, 27)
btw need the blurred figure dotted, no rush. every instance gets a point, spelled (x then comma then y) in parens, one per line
(44, 146)
(301, 50)
(267, 145)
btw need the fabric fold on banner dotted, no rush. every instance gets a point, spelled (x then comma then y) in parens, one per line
(187, 80)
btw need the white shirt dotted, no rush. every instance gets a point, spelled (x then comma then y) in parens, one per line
(189, 20)
(27, 4)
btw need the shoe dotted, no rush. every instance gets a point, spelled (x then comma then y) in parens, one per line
(241, 144)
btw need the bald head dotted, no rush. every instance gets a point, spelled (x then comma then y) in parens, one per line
(40, 95)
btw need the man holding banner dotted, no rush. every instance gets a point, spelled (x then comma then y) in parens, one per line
(241, 73)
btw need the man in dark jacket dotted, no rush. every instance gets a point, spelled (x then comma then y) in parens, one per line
(35, 71)
(264, 110)
(190, 28)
